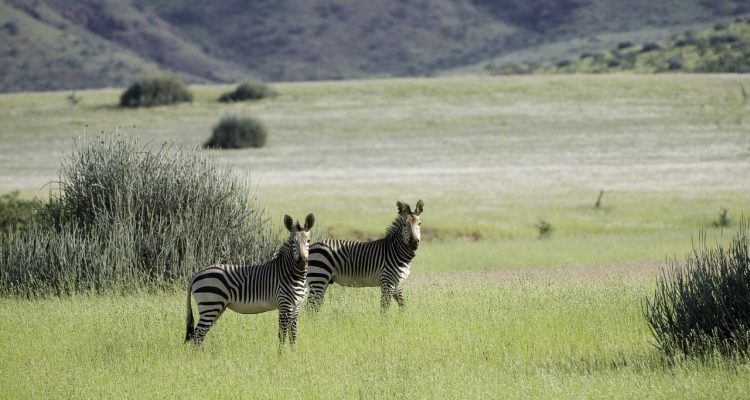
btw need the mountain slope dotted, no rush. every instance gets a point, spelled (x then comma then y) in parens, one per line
(724, 47)
(66, 44)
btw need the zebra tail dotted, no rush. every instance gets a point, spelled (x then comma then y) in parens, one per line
(189, 318)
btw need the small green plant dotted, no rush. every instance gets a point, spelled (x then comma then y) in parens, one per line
(545, 229)
(723, 220)
(155, 91)
(247, 91)
(599, 199)
(236, 133)
(704, 306)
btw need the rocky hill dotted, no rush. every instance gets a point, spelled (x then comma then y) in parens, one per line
(68, 44)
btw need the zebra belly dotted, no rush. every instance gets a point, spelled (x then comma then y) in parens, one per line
(356, 281)
(253, 308)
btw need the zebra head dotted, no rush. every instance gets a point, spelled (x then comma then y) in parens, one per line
(409, 221)
(300, 238)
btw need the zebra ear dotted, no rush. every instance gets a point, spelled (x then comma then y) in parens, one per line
(288, 223)
(297, 227)
(403, 207)
(419, 207)
(309, 221)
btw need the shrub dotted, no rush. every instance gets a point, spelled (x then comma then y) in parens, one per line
(624, 45)
(723, 220)
(650, 47)
(563, 63)
(674, 64)
(545, 229)
(721, 39)
(704, 306)
(149, 92)
(247, 91)
(129, 217)
(237, 133)
(16, 213)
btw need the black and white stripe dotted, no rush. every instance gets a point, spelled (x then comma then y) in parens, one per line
(381, 263)
(249, 289)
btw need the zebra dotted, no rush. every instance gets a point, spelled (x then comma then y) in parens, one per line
(250, 289)
(381, 263)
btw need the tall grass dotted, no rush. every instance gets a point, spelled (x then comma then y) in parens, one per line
(128, 215)
(704, 306)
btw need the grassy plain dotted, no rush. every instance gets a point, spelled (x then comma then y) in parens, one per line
(469, 335)
(493, 310)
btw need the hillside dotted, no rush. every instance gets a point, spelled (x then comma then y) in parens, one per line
(723, 47)
(68, 44)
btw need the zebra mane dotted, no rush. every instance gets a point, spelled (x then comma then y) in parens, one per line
(285, 248)
(395, 227)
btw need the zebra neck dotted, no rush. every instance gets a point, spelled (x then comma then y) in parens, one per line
(403, 252)
(286, 261)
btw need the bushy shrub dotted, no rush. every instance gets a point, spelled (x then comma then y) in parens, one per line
(129, 217)
(237, 133)
(155, 91)
(721, 39)
(674, 64)
(16, 213)
(650, 47)
(624, 45)
(545, 229)
(247, 91)
(704, 306)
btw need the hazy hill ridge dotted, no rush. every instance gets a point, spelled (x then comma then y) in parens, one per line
(67, 44)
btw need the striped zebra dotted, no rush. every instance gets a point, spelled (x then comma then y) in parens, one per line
(250, 289)
(381, 263)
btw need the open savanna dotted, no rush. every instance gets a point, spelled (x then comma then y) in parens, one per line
(491, 309)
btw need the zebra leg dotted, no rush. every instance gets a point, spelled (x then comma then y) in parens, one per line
(398, 294)
(293, 328)
(386, 292)
(316, 295)
(207, 319)
(284, 318)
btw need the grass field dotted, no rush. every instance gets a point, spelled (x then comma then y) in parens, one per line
(492, 310)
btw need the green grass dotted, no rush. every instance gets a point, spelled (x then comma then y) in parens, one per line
(470, 336)
(492, 310)
(490, 156)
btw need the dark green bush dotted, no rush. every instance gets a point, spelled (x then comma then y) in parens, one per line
(237, 133)
(650, 47)
(16, 213)
(155, 91)
(674, 64)
(128, 217)
(247, 91)
(704, 306)
(624, 45)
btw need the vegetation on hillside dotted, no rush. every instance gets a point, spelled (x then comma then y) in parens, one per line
(724, 47)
